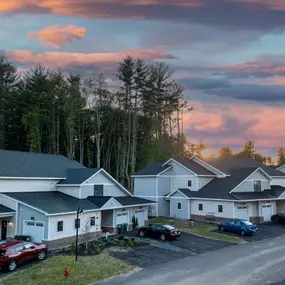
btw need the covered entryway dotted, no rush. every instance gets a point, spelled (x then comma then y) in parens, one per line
(242, 212)
(122, 218)
(35, 229)
(266, 212)
(139, 214)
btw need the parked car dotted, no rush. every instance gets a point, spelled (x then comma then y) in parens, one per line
(278, 218)
(159, 231)
(14, 252)
(240, 226)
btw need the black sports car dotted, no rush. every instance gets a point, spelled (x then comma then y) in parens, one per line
(278, 218)
(159, 231)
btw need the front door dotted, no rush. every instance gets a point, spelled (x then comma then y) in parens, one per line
(4, 230)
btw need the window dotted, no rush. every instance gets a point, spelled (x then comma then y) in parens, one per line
(257, 186)
(220, 208)
(77, 223)
(189, 183)
(60, 226)
(92, 221)
(179, 206)
(18, 248)
(29, 246)
(98, 190)
(200, 207)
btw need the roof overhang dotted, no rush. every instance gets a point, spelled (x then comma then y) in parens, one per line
(172, 159)
(175, 191)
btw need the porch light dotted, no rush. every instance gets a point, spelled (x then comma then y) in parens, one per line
(10, 224)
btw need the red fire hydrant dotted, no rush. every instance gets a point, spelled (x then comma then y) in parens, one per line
(66, 272)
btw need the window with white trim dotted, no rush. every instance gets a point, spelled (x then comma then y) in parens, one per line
(200, 207)
(257, 186)
(179, 206)
(189, 183)
(60, 226)
(220, 208)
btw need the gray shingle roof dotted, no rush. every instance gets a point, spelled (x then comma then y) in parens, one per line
(152, 169)
(123, 200)
(195, 167)
(266, 194)
(78, 176)
(28, 164)
(4, 209)
(219, 188)
(129, 200)
(52, 202)
(156, 167)
(228, 164)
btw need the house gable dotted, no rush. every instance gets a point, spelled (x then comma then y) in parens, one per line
(209, 167)
(179, 169)
(112, 203)
(111, 187)
(281, 168)
(247, 185)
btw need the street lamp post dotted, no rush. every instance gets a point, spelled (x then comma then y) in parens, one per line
(79, 210)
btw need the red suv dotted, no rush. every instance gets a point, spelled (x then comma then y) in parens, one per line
(13, 252)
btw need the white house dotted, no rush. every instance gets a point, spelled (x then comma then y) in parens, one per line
(40, 195)
(214, 190)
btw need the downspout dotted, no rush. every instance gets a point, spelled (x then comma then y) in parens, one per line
(156, 194)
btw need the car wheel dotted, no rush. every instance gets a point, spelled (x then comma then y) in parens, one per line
(12, 265)
(274, 220)
(141, 233)
(41, 255)
(242, 233)
(162, 236)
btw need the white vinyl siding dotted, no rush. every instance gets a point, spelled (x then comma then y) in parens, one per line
(184, 212)
(248, 184)
(211, 208)
(70, 190)
(202, 181)
(69, 224)
(109, 187)
(278, 181)
(27, 185)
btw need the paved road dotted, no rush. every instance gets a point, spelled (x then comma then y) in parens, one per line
(256, 263)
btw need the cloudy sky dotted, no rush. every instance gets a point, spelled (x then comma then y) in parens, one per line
(229, 54)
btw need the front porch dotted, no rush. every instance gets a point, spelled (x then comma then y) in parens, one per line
(111, 218)
(7, 222)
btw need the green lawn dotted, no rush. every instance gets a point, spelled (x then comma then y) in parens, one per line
(50, 272)
(198, 228)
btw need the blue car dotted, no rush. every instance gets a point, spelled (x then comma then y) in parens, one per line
(242, 227)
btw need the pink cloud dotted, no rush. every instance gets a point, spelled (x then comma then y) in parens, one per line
(56, 36)
(212, 124)
(53, 59)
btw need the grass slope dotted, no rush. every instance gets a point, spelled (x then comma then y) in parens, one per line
(87, 270)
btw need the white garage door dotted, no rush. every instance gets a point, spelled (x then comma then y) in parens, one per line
(242, 212)
(122, 218)
(266, 212)
(34, 229)
(140, 215)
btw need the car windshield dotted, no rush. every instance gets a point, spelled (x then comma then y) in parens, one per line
(247, 223)
(169, 227)
(3, 242)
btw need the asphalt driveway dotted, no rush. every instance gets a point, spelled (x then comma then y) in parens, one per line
(157, 252)
(265, 231)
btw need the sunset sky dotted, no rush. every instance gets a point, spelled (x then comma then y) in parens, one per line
(228, 54)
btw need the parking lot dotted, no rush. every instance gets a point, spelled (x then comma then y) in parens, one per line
(159, 252)
(265, 231)
(188, 244)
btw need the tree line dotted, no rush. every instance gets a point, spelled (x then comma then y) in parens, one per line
(121, 127)
(248, 151)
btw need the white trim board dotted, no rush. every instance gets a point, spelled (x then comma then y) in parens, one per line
(209, 165)
(172, 159)
(111, 178)
(31, 178)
